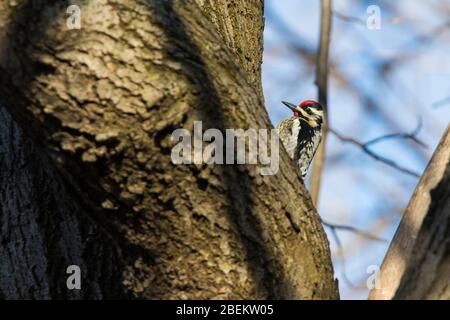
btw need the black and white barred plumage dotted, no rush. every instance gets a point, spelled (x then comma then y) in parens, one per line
(301, 133)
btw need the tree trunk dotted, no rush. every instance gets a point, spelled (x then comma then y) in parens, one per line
(417, 265)
(98, 106)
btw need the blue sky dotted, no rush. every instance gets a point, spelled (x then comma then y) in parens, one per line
(358, 190)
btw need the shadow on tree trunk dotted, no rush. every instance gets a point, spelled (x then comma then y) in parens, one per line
(272, 256)
(236, 179)
(45, 224)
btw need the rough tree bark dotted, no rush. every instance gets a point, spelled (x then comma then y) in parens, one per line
(89, 177)
(417, 265)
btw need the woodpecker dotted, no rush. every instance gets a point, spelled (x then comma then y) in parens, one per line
(301, 133)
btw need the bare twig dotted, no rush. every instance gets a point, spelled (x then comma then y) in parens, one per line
(322, 85)
(402, 135)
(347, 18)
(367, 150)
(340, 253)
(441, 103)
(340, 248)
(363, 233)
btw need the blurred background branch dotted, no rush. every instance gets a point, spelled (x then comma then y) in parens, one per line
(363, 233)
(365, 148)
(322, 87)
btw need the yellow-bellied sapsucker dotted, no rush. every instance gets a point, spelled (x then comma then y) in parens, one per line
(301, 133)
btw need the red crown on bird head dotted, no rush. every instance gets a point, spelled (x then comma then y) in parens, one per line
(307, 103)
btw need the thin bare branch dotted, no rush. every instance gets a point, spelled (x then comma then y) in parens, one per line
(363, 233)
(372, 154)
(322, 85)
(340, 253)
(348, 18)
(441, 103)
(401, 135)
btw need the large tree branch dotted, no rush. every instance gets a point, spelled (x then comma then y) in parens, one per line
(240, 24)
(104, 102)
(417, 263)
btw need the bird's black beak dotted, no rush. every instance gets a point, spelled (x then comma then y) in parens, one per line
(300, 113)
(291, 106)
